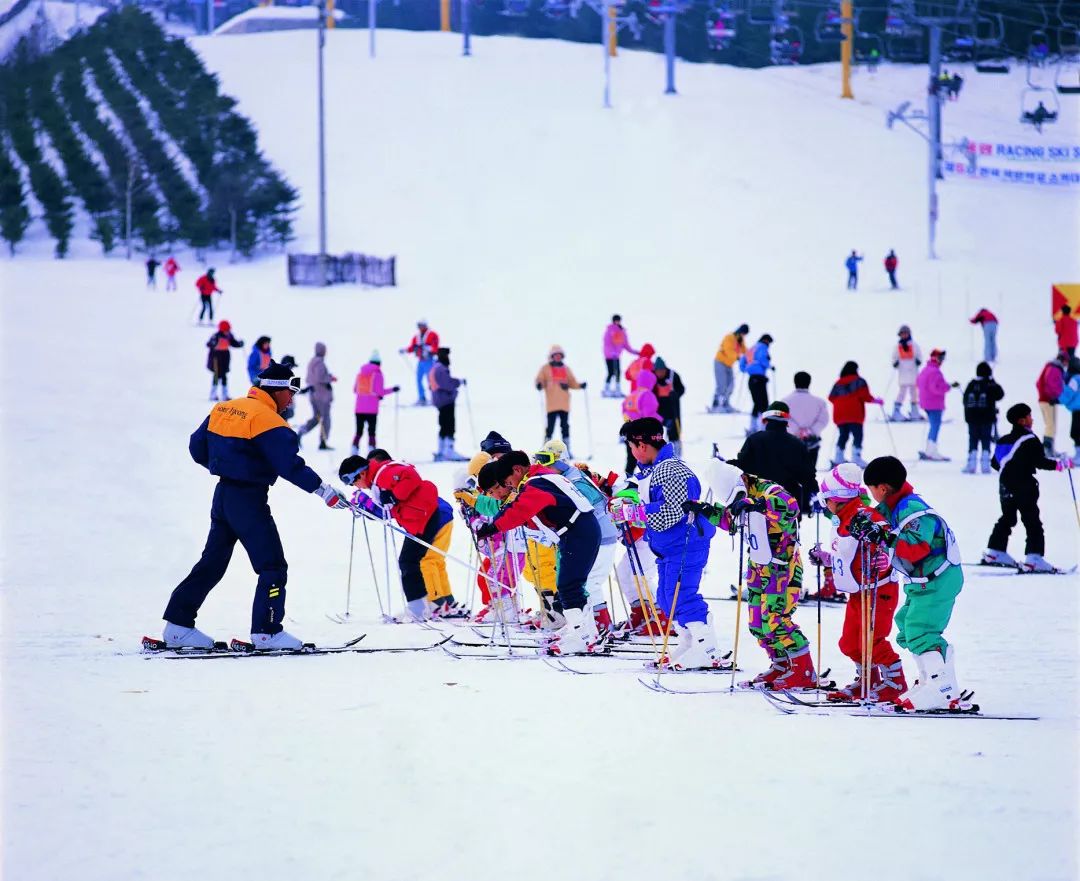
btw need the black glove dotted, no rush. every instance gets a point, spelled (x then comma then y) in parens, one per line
(485, 530)
(386, 498)
(702, 508)
(396, 389)
(539, 386)
(584, 385)
(565, 386)
(745, 505)
(864, 528)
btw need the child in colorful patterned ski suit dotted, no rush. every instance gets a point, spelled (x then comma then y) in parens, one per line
(773, 572)
(925, 553)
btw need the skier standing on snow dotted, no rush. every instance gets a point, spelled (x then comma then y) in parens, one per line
(247, 445)
(852, 266)
(259, 358)
(906, 359)
(425, 345)
(775, 454)
(550, 502)
(218, 358)
(890, 269)
(1065, 328)
(925, 553)
(989, 323)
(641, 403)
(1017, 456)
(320, 384)
(1050, 385)
(680, 542)
(415, 504)
(808, 416)
(933, 387)
(152, 263)
(756, 364)
(865, 573)
(171, 268)
(732, 348)
(555, 380)
(849, 396)
(773, 571)
(616, 341)
(207, 287)
(669, 390)
(980, 414)
(444, 392)
(370, 390)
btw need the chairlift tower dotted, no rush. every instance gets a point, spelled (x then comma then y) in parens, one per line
(935, 16)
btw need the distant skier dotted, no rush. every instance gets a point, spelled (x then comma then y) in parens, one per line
(616, 341)
(171, 269)
(809, 416)
(152, 263)
(989, 323)
(444, 392)
(259, 358)
(554, 380)
(756, 364)
(980, 414)
(906, 359)
(370, 390)
(1050, 385)
(247, 445)
(732, 348)
(933, 387)
(424, 344)
(669, 390)
(218, 357)
(1065, 328)
(891, 263)
(207, 287)
(852, 265)
(849, 396)
(1017, 456)
(319, 381)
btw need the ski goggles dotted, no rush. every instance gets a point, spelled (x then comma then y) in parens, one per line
(293, 384)
(350, 477)
(545, 458)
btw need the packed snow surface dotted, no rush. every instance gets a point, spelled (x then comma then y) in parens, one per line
(523, 215)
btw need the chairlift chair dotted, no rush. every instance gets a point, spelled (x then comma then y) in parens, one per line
(720, 28)
(1039, 107)
(829, 26)
(786, 45)
(559, 9)
(868, 49)
(1067, 74)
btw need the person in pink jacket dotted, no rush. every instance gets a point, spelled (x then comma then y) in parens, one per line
(641, 402)
(933, 387)
(370, 390)
(616, 342)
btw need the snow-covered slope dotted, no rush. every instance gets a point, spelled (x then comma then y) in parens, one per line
(522, 215)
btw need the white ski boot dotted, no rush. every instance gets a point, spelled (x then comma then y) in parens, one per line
(915, 414)
(177, 637)
(1036, 563)
(838, 457)
(578, 636)
(969, 468)
(896, 416)
(932, 453)
(991, 557)
(856, 457)
(700, 652)
(265, 642)
(984, 462)
(936, 688)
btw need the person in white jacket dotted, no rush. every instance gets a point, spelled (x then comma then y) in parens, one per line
(808, 415)
(907, 359)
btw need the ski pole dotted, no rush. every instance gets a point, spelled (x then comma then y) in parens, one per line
(348, 580)
(386, 561)
(674, 599)
(468, 410)
(892, 442)
(588, 423)
(1072, 488)
(397, 411)
(374, 576)
(738, 602)
(817, 542)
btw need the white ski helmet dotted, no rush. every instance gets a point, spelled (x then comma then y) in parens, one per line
(726, 482)
(842, 482)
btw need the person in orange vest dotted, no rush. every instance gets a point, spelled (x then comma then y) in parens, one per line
(907, 359)
(370, 389)
(555, 380)
(642, 362)
(207, 287)
(218, 358)
(732, 348)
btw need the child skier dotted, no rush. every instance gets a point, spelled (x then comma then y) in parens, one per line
(1017, 456)
(906, 359)
(852, 266)
(152, 263)
(933, 386)
(980, 414)
(891, 262)
(259, 358)
(444, 391)
(926, 554)
(773, 571)
(424, 344)
(218, 358)
(732, 348)
(679, 541)
(206, 285)
(555, 380)
(171, 268)
(616, 341)
(863, 571)
(370, 390)
(849, 396)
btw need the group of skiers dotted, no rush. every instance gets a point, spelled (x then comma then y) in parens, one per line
(851, 264)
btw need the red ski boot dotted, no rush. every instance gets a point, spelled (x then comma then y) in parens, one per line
(776, 670)
(799, 674)
(603, 621)
(887, 683)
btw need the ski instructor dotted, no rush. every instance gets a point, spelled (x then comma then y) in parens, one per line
(247, 444)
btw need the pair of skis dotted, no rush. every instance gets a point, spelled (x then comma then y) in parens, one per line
(240, 649)
(1020, 569)
(790, 703)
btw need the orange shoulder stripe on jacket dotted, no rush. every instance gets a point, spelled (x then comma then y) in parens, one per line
(245, 418)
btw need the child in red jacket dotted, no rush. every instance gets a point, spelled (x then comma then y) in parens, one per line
(849, 397)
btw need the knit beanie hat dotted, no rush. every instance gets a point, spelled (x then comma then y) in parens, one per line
(278, 376)
(1017, 412)
(375, 357)
(659, 364)
(495, 444)
(843, 482)
(778, 411)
